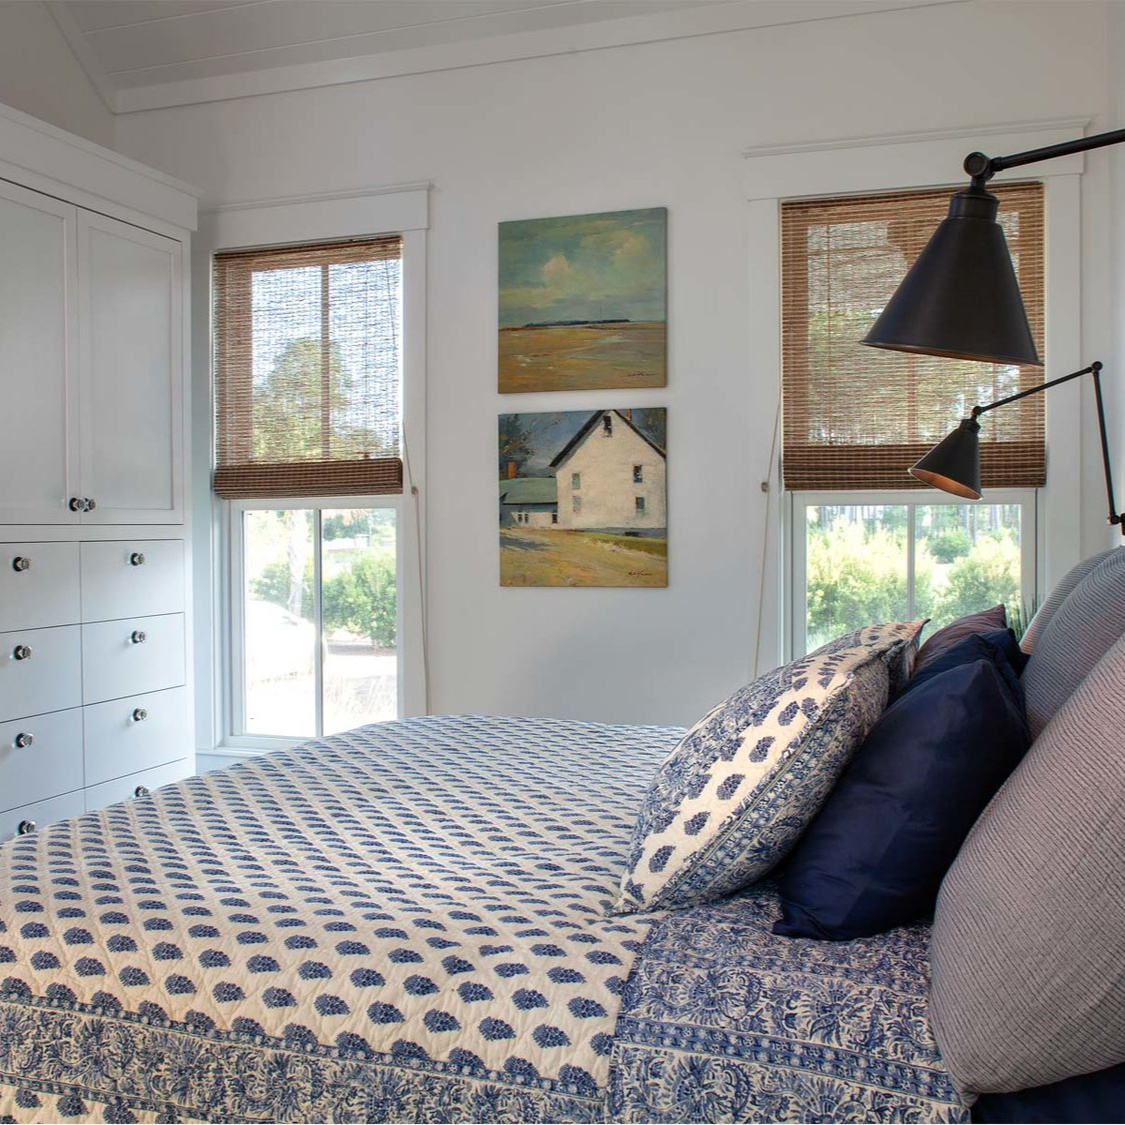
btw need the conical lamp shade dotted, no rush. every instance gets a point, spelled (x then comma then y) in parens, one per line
(960, 298)
(953, 465)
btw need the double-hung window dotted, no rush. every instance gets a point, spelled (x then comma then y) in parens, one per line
(308, 422)
(868, 542)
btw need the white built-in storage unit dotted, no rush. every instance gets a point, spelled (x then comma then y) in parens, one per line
(94, 562)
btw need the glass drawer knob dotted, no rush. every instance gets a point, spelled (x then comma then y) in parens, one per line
(25, 827)
(139, 714)
(136, 559)
(138, 637)
(22, 652)
(20, 564)
(23, 740)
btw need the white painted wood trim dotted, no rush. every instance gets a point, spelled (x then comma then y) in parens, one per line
(51, 160)
(318, 218)
(1060, 547)
(900, 161)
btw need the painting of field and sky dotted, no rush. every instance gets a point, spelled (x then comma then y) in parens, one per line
(583, 498)
(582, 302)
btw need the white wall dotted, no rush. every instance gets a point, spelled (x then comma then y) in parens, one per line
(40, 75)
(663, 124)
(1115, 289)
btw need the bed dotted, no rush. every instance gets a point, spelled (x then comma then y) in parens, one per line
(332, 933)
(409, 922)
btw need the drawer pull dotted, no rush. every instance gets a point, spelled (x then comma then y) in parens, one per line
(76, 504)
(22, 652)
(20, 563)
(139, 714)
(24, 740)
(138, 637)
(90, 505)
(136, 559)
(25, 828)
(142, 791)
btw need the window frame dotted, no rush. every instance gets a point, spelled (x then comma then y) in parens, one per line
(237, 736)
(798, 503)
(898, 162)
(302, 220)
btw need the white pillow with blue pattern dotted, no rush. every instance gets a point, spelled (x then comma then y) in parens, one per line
(739, 788)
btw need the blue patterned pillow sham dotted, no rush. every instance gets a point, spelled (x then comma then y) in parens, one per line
(733, 796)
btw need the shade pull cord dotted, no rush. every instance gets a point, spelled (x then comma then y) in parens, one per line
(767, 488)
(414, 494)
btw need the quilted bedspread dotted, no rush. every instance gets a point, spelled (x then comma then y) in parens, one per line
(407, 923)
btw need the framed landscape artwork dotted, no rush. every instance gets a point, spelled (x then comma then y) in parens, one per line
(583, 302)
(583, 498)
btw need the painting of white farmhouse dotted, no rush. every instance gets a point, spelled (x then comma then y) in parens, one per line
(583, 498)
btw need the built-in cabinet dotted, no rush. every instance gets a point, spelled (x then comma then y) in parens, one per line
(90, 358)
(94, 565)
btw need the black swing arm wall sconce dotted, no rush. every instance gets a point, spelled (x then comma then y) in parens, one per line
(961, 299)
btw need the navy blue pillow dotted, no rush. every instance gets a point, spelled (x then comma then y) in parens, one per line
(997, 645)
(1090, 1098)
(876, 854)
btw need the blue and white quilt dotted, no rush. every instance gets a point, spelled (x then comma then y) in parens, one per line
(408, 923)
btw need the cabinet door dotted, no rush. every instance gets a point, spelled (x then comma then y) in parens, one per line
(130, 362)
(39, 412)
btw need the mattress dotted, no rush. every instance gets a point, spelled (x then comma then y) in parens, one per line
(408, 922)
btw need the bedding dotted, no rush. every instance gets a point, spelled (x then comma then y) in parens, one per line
(876, 854)
(409, 922)
(731, 799)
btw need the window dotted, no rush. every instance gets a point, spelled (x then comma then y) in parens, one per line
(319, 618)
(554, 517)
(308, 402)
(607, 424)
(640, 505)
(576, 503)
(900, 556)
(638, 474)
(576, 481)
(869, 543)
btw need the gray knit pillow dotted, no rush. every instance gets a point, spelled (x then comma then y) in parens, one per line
(1028, 946)
(1075, 639)
(1056, 598)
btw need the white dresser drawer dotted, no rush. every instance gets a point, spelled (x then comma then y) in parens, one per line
(135, 578)
(135, 733)
(40, 757)
(131, 656)
(136, 784)
(40, 670)
(38, 585)
(40, 814)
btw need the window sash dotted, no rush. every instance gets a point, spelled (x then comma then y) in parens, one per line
(838, 257)
(370, 465)
(237, 736)
(797, 521)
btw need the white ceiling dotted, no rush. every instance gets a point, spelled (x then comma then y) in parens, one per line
(143, 54)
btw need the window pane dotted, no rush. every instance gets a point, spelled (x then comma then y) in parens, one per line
(360, 608)
(970, 554)
(856, 568)
(279, 633)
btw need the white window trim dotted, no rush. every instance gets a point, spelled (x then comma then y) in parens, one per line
(903, 162)
(291, 221)
(797, 504)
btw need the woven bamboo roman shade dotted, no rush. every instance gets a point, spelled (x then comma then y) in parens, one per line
(856, 418)
(307, 370)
